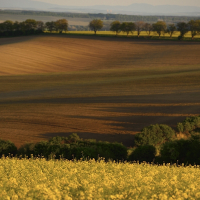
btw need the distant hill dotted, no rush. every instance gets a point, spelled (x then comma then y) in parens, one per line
(133, 9)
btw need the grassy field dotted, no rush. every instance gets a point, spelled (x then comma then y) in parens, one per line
(143, 33)
(98, 87)
(56, 180)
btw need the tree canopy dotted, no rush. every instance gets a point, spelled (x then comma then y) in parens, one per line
(115, 27)
(171, 29)
(61, 25)
(128, 27)
(160, 27)
(96, 25)
(183, 28)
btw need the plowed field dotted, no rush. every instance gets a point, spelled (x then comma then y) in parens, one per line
(97, 87)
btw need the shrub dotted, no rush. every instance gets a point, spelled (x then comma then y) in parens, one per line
(41, 148)
(175, 150)
(27, 149)
(154, 135)
(193, 154)
(86, 149)
(73, 138)
(57, 140)
(185, 151)
(189, 124)
(143, 153)
(7, 147)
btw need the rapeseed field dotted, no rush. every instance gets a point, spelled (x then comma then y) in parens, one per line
(62, 179)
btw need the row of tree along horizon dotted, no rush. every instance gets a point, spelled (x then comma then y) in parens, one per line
(105, 17)
(31, 26)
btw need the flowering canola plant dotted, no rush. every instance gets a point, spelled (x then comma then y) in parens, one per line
(66, 180)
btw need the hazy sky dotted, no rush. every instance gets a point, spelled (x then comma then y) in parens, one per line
(123, 2)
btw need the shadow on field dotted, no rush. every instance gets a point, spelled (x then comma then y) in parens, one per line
(126, 139)
(13, 40)
(135, 123)
(187, 97)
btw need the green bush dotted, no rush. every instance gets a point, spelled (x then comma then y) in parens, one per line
(86, 149)
(74, 147)
(193, 154)
(143, 153)
(7, 147)
(27, 149)
(189, 125)
(73, 138)
(41, 149)
(185, 151)
(58, 140)
(154, 135)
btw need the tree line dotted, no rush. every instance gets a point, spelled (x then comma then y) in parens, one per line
(159, 27)
(31, 26)
(156, 143)
(108, 16)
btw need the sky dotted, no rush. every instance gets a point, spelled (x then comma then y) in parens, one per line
(122, 2)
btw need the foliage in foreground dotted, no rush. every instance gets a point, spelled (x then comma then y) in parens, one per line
(157, 143)
(41, 179)
(189, 125)
(154, 135)
(185, 151)
(75, 147)
(143, 153)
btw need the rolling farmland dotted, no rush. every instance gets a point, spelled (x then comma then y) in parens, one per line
(98, 87)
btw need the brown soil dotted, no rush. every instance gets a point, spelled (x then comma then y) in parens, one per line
(103, 88)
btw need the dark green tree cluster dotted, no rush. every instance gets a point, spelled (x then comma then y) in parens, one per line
(31, 26)
(108, 16)
(172, 149)
(96, 25)
(59, 25)
(160, 27)
(126, 27)
(147, 142)
(68, 148)
(189, 126)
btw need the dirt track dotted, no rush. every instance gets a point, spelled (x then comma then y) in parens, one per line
(103, 88)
